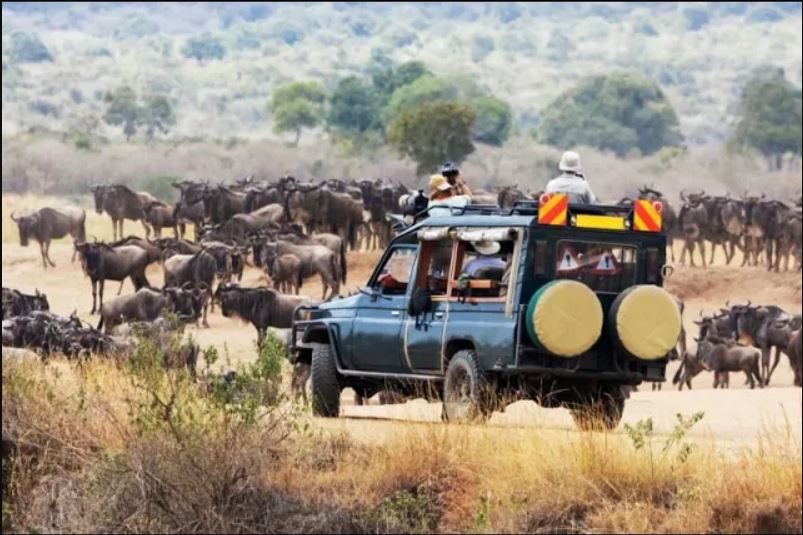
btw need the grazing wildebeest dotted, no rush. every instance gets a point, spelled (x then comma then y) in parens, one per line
(262, 307)
(147, 304)
(693, 219)
(285, 272)
(198, 269)
(16, 303)
(51, 224)
(723, 356)
(121, 203)
(767, 327)
(104, 262)
(160, 215)
(314, 259)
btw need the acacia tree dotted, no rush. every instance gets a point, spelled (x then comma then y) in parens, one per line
(296, 106)
(618, 112)
(434, 132)
(123, 110)
(769, 118)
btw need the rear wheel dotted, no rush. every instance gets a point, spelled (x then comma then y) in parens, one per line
(600, 411)
(466, 393)
(325, 383)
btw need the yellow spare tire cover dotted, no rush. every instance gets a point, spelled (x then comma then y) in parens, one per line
(646, 321)
(564, 317)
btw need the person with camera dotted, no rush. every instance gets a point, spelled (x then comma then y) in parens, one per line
(452, 174)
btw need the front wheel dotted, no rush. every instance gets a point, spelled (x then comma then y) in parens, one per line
(325, 383)
(600, 411)
(466, 393)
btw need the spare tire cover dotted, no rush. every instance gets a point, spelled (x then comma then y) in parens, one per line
(645, 320)
(565, 318)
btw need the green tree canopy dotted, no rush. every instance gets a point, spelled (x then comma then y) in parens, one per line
(434, 132)
(769, 117)
(296, 106)
(157, 114)
(389, 80)
(203, 48)
(353, 106)
(423, 90)
(494, 120)
(27, 48)
(123, 110)
(618, 112)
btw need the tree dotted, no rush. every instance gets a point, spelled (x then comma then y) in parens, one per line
(389, 80)
(494, 120)
(353, 106)
(769, 117)
(434, 132)
(203, 48)
(123, 110)
(296, 106)
(157, 114)
(410, 96)
(618, 112)
(27, 48)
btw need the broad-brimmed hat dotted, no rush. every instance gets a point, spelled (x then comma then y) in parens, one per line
(449, 168)
(570, 161)
(486, 247)
(438, 183)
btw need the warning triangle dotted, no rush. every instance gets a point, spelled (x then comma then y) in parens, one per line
(568, 261)
(606, 265)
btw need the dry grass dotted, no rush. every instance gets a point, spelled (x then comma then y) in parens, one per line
(88, 464)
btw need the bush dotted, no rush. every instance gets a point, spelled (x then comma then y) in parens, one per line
(161, 187)
(203, 48)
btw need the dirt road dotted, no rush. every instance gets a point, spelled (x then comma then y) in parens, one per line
(735, 416)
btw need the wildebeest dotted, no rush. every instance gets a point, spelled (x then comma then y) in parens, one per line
(104, 262)
(335, 243)
(790, 241)
(121, 203)
(285, 272)
(221, 203)
(722, 356)
(510, 195)
(315, 259)
(257, 197)
(693, 220)
(160, 215)
(262, 307)
(198, 269)
(763, 227)
(795, 352)
(180, 246)
(189, 209)
(767, 327)
(50, 224)
(16, 303)
(147, 304)
(229, 259)
(154, 253)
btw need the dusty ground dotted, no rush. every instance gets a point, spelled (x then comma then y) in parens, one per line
(738, 415)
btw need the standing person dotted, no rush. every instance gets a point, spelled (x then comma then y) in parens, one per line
(453, 176)
(572, 182)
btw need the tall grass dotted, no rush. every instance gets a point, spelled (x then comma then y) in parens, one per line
(96, 452)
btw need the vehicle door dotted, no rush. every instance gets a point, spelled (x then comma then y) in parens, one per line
(423, 334)
(380, 312)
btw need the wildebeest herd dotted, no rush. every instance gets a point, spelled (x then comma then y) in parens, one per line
(295, 230)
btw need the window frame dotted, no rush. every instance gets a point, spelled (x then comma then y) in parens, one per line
(373, 282)
(636, 248)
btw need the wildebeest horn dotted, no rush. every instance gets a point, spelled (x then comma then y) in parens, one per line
(683, 194)
(186, 285)
(696, 322)
(14, 218)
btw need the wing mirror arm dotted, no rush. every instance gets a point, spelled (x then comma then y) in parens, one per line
(373, 293)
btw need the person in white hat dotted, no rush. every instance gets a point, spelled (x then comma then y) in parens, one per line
(571, 181)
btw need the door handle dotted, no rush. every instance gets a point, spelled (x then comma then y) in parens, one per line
(394, 312)
(438, 315)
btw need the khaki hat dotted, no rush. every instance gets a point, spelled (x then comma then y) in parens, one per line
(438, 183)
(570, 161)
(486, 247)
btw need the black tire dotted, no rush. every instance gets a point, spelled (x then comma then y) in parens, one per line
(325, 384)
(467, 396)
(601, 411)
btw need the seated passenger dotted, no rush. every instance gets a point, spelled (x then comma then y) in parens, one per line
(486, 266)
(442, 196)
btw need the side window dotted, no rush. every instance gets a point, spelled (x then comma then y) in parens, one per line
(395, 273)
(603, 267)
(482, 269)
(433, 266)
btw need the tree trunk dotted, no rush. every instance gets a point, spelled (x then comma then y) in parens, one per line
(298, 137)
(779, 162)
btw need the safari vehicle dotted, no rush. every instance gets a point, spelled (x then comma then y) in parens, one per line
(567, 310)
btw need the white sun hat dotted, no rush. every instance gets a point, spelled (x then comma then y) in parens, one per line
(486, 247)
(570, 161)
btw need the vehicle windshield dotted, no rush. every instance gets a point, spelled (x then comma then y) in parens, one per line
(604, 267)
